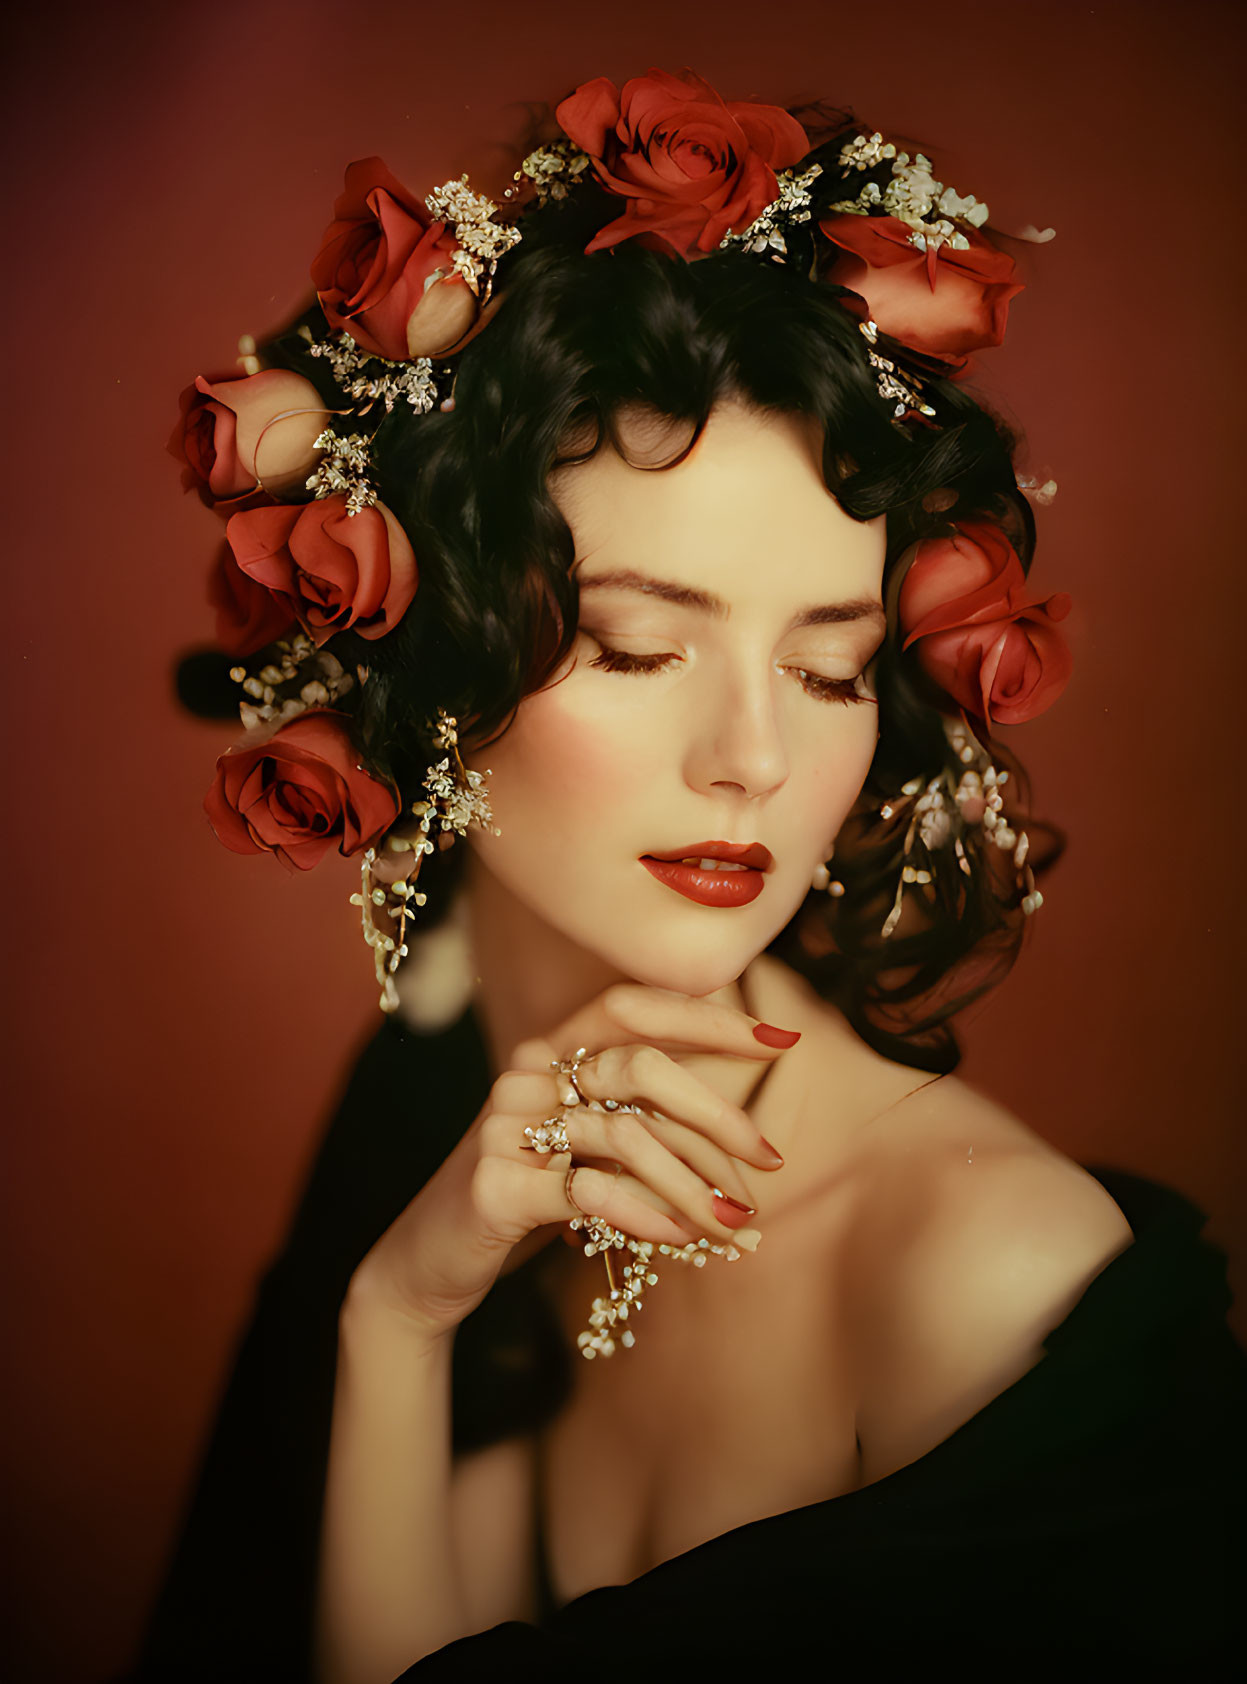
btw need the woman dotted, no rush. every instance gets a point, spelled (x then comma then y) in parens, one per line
(662, 568)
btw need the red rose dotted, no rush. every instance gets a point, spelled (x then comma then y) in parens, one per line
(380, 256)
(332, 571)
(259, 428)
(248, 617)
(692, 167)
(298, 793)
(995, 651)
(942, 301)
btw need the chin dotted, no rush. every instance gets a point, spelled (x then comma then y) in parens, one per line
(691, 950)
(688, 968)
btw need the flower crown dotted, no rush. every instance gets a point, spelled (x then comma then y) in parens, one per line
(404, 285)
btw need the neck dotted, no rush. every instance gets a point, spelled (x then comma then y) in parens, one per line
(530, 977)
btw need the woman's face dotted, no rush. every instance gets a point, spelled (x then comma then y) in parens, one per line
(717, 693)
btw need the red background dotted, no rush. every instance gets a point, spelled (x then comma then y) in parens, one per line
(179, 1018)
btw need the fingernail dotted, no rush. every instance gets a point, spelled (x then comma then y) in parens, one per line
(749, 1210)
(772, 1037)
(729, 1213)
(778, 1156)
(749, 1238)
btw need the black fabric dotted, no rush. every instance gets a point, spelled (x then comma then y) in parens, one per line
(1088, 1522)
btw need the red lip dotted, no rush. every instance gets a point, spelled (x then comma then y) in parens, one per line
(737, 853)
(713, 888)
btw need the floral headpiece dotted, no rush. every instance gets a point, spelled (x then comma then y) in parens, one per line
(404, 284)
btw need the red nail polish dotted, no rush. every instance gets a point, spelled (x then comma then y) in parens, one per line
(730, 1212)
(778, 1156)
(772, 1037)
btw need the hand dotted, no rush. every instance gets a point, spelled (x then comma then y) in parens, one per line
(435, 1264)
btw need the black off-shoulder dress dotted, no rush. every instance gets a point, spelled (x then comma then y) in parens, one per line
(1088, 1523)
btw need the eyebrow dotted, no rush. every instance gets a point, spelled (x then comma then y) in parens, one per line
(818, 614)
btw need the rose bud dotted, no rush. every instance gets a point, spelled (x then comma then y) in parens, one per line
(333, 571)
(944, 301)
(299, 792)
(376, 260)
(995, 651)
(259, 429)
(248, 616)
(442, 317)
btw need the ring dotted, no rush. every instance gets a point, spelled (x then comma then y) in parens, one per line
(567, 1189)
(570, 1067)
(567, 1186)
(550, 1136)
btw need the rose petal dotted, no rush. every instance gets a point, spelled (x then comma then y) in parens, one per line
(334, 571)
(944, 301)
(773, 133)
(996, 652)
(276, 413)
(226, 475)
(297, 792)
(443, 316)
(973, 574)
(1049, 665)
(248, 616)
(690, 167)
(375, 258)
(588, 115)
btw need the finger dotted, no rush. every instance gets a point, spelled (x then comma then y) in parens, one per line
(635, 1209)
(520, 1092)
(504, 1133)
(543, 1195)
(643, 1075)
(503, 1137)
(626, 1138)
(534, 1054)
(629, 1012)
(718, 1169)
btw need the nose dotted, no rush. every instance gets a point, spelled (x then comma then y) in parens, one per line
(737, 741)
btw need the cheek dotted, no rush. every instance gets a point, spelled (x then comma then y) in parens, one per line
(566, 762)
(833, 780)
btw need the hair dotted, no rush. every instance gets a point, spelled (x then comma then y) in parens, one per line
(578, 345)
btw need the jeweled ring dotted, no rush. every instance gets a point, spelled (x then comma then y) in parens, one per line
(550, 1136)
(570, 1068)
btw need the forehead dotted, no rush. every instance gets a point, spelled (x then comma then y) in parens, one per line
(749, 496)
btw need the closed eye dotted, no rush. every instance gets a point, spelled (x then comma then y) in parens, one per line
(616, 660)
(823, 689)
(834, 689)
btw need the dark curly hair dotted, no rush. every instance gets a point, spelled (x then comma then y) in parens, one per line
(576, 342)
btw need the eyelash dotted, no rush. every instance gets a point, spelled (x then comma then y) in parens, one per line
(824, 689)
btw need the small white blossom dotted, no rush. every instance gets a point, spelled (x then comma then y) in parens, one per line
(367, 379)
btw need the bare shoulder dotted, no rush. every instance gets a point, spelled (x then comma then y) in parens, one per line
(974, 1240)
